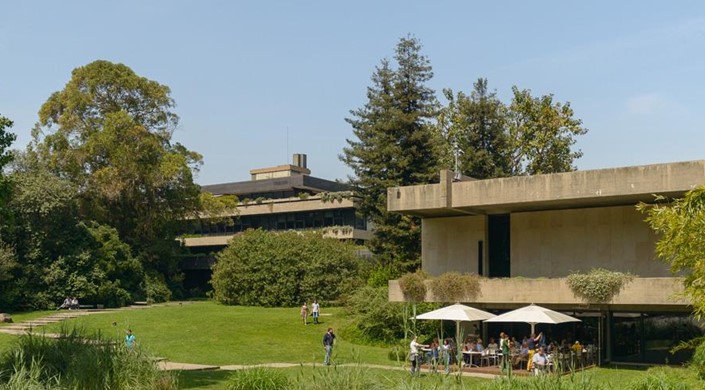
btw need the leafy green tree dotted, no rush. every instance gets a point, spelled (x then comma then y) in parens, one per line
(541, 133)
(109, 133)
(59, 255)
(476, 126)
(680, 224)
(531, 135)
(261, 268)
(6, 139)
(394, 146)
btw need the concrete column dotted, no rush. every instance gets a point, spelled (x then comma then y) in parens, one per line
(447, 188)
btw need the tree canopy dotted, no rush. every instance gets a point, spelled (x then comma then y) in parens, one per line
(394, 146)
(531, 135)
(109, 133)
(6, 139)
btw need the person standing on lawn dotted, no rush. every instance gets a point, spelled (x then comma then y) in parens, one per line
(315, 308)
(129, 339)
(414, 356)
(328, 340)
(304, 313)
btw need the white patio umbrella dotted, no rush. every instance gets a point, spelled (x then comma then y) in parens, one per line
(457, 313)
(533, 315)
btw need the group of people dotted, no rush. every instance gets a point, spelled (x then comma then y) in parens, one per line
(533, 349)
(315, 312)
(70, 303)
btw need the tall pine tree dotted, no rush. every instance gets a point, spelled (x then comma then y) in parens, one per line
(394, 146)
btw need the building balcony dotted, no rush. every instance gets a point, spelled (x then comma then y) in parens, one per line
(339, 232)
(641, 294)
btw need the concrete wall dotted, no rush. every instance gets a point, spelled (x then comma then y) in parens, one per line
(507, 293)
(450, 244)
(556, 243)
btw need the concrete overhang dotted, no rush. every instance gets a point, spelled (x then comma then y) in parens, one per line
(578, 189)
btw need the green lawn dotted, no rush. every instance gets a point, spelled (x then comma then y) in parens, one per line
(209, 333)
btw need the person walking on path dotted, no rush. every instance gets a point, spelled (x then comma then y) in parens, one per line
(129, 339)
(328, 340)
(304, 313)
(414, 355)
(315, 308)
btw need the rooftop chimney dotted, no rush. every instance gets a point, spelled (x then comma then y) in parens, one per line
(300, 160)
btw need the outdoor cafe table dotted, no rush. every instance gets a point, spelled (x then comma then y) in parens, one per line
(472, 355)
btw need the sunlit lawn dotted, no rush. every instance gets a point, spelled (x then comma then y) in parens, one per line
(209, 333)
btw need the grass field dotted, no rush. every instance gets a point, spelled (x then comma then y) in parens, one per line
(209, 333)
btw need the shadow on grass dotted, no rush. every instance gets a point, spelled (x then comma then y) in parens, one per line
(214, 379)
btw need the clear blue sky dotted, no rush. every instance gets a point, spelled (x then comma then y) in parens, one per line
(242, 73)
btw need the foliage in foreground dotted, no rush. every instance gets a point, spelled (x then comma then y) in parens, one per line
(74, 361)
(261, 268)
(258, 378)
(680, 225)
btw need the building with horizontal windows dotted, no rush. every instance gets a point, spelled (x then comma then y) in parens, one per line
(526, 234)
(283, 197)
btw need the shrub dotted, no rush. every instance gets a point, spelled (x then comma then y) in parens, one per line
(156, 289)
(258, 378)
(380, 276)
(599, 285)
(455, 287)
(375, 319)
(698, 361)
(413, 286)
(75, 361)
(260, 268)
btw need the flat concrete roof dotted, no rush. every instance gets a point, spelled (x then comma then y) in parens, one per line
(280, 184)
(578, 189)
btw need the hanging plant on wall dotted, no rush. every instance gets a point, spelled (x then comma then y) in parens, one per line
(455, 287)
(599, 285)
(413, 286)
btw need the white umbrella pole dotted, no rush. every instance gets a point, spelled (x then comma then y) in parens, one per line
(533, 328)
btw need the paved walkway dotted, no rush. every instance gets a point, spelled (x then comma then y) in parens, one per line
(31, 326)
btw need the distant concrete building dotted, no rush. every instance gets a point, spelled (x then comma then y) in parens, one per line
(284, 197)
(526, 234)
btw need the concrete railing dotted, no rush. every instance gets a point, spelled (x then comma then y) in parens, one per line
(639, 294)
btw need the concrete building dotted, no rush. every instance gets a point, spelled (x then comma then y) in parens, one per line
(526, 234)
(283, 197)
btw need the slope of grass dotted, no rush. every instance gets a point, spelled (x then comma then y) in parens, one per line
(209, 333)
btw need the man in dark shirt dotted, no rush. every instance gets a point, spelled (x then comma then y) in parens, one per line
(328, 340)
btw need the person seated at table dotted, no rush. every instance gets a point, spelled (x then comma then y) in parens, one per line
(552, 348)
(467, 356)
(478, 346)
(522, 356)
(540, 361)
(577, 347)
(492, 345)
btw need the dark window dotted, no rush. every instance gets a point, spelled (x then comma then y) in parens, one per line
(498, 246)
